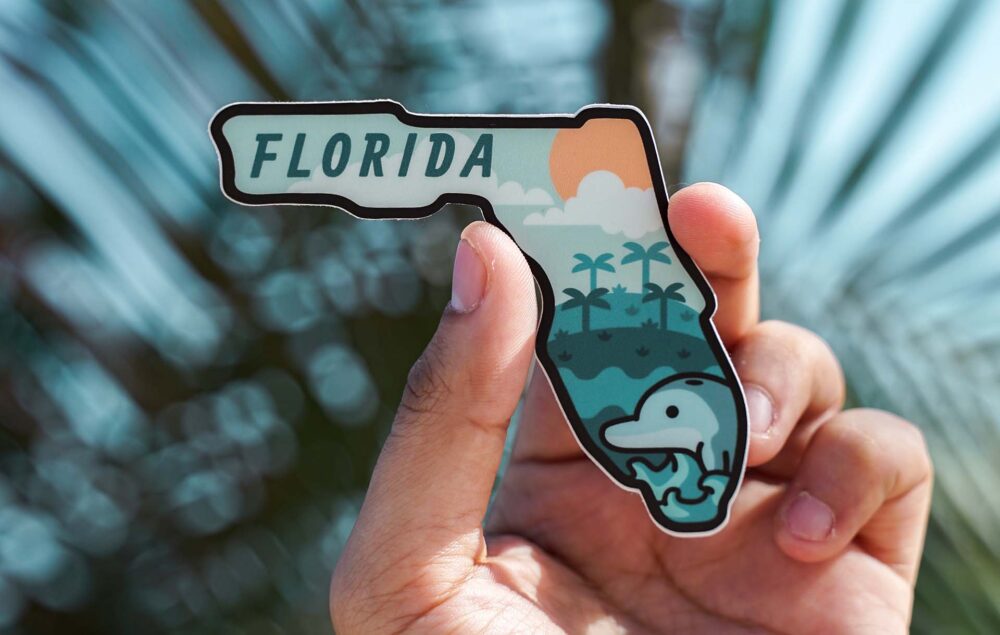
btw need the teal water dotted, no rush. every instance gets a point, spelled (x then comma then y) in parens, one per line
(685, 491)
(611, 387)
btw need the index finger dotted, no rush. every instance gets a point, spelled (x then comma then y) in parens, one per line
(718, 230)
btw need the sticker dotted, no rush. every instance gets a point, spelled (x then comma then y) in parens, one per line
(625, 337)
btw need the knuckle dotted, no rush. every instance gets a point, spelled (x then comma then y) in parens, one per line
(434, 390)
(871, 440)
(788, 341)
(854, 441)
(804, 349)
(905, 435)
(799, 343)
(428, 386)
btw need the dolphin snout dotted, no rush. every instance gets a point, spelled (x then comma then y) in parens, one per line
(638, 434)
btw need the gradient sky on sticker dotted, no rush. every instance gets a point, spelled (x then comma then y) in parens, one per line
(600, 144)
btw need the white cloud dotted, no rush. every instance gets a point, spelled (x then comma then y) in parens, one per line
(416, 189)
(603, 200)
(511, 193)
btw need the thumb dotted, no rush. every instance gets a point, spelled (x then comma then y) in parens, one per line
(432, 482)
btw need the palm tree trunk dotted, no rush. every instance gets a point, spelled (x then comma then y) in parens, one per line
(645, 273)
(593, 279)
(586, 318)
(663, 314)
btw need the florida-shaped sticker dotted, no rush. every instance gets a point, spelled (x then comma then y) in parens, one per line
(625, 337)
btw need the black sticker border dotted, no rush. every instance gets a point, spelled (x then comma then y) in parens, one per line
(602, 111)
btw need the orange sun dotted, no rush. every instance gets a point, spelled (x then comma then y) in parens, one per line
(601, 144)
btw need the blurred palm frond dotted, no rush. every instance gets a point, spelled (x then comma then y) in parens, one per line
(868, 143)
(189, 409)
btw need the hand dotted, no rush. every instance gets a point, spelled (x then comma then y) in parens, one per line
(825, 535)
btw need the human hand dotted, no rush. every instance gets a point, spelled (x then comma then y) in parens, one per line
(825, 535)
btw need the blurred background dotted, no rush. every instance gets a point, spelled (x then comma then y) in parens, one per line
(192, 393)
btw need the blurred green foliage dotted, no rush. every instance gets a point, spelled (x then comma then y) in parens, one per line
(192, 393)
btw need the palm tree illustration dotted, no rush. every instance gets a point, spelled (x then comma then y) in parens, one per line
(658, 293)
(586, 302)
(593, 265)
(646, 256)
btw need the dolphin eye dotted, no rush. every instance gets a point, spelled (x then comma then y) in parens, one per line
(673, 411)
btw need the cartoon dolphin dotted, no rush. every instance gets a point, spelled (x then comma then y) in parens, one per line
(691, 412)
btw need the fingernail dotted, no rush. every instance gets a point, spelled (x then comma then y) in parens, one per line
(760, 409)
(808, 518)
(468, 280)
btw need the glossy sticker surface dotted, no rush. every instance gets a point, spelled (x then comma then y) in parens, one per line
(625, 338)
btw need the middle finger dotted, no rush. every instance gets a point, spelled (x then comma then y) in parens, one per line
(793, 384)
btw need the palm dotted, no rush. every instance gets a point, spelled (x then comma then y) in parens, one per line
(825, 535)
(625, 570)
